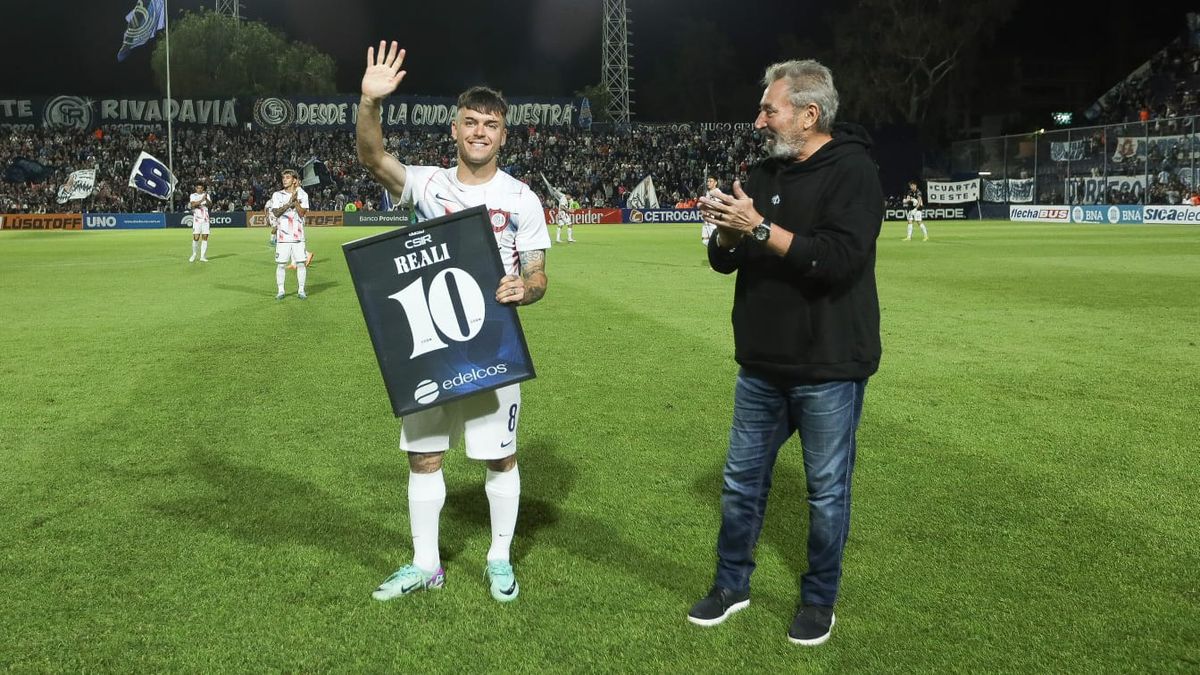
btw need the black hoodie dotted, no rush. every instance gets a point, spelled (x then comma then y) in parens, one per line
(811, 316)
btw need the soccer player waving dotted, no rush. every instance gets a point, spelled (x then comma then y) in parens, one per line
(487, 420)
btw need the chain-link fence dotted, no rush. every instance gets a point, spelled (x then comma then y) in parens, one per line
(1151, 162)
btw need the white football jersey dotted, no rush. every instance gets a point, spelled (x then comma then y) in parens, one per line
(290, 223)
(514, 211)
(200, 213)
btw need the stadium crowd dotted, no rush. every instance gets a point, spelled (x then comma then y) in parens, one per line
(241, 166)
(1167, 87)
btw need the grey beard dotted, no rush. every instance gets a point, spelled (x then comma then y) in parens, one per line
(780, 149)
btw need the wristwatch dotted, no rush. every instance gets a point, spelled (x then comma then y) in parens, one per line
(762, 231)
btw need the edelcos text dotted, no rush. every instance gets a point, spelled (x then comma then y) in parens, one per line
(475, 374)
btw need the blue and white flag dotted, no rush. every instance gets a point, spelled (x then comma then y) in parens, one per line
(152, 177)
(79, 185)
(385, 201)
(144, 23)
(643, 195)
(314, 172)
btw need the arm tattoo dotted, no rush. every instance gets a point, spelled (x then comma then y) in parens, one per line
(533, 272)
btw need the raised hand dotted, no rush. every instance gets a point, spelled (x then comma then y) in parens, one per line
(383, 73)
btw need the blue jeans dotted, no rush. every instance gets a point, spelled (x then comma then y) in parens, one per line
(764, 416)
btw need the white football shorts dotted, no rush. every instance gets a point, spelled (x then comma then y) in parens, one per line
(487, 421)
(290, 253)
(915, 214)
(199, 227)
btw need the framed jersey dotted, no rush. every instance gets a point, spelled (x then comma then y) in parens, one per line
(427, 293)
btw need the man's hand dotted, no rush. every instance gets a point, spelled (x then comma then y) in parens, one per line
(734, 215)
(511, 290)
(383, 73)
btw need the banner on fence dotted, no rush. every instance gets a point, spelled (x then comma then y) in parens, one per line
(957, 192)
(1101, 190)
(1018, 190)
(1068, 151)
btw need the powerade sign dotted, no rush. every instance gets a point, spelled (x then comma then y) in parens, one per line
(949, 213)
(215, 219)
(124, 221)
(1189, 215)
(1109, 215)
(662, 215)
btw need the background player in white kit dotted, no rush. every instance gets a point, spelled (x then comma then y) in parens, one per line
(563, 217)
(707, 229)
(199, 203)
(289, 206)
(487, 420)
(915, 202)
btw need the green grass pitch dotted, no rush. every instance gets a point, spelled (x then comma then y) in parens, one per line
(196, 477)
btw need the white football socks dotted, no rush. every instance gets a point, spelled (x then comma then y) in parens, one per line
(301, 275)
(504, 496)
(194, 242)
(280, 275)
(426, 495)
(203, 248)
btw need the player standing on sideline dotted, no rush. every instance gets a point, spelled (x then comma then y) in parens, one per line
(487, 420)
(563, 217)
(289, 206)
(707, 229)
(199, 203)
(915, 202)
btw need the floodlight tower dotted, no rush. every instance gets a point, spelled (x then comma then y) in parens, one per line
(230, 8)
(614, 75)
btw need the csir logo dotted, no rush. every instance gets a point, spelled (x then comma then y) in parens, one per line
(274, 112)
(70, 112)
(427, 392)
(418, 242)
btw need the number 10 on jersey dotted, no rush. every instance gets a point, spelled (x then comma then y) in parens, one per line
(429, 315)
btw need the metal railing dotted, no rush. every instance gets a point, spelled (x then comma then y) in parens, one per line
(1153, 162)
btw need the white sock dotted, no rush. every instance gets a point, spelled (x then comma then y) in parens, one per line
(570, 232)
(426, 495)
(923, 230)
(910, 229)
(301, 275)
(280, 274)
(503, 490)
(558, 234)
(194, 242)
(203, 248)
